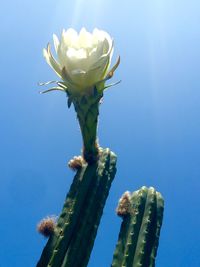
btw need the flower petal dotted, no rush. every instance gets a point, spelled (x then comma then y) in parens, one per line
(111, 72)
(51, 61)
(70, 38)
(85, 39)
(56, 42)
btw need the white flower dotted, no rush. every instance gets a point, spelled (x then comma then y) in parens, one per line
(82, 59)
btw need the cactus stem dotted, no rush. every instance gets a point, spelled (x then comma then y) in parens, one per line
(139, 234)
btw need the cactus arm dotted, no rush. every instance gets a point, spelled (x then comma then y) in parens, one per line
(107, 177)
(130, 230)
(138, 201)
(146, 232)
(85, 186)
(121, 244)
(71, 209)
(69, 219)
(81, 245)
(139, 234)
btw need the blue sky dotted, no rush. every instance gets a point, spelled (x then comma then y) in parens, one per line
(151, 120)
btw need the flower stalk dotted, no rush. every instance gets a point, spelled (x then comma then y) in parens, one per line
(87, 109)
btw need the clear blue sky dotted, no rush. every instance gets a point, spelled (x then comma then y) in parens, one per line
(151, 120)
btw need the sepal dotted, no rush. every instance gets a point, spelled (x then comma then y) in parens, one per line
(61, 87)
(101, 84)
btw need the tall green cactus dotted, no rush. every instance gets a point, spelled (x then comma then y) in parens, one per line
(142, 214)
(71, 243)
(83, 67)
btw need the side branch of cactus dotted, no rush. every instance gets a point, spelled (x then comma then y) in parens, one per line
(74, 235)
(139, 234)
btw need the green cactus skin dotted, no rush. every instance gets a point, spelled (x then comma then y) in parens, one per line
(139, 234)
(87, 109)
(73, 238)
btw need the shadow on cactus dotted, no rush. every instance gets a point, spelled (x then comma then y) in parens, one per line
(83, 67)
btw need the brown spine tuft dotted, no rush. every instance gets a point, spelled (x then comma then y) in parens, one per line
(124, 205)
(76, 163)
(47, 226)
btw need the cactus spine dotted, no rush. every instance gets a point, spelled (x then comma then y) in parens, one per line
(72, 241)
(139, 234)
